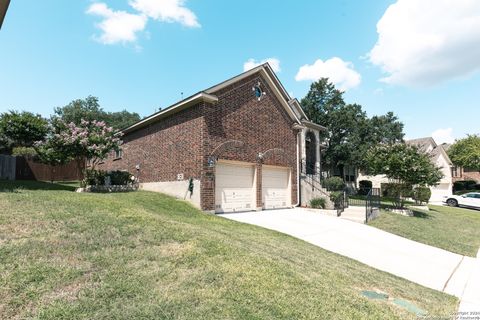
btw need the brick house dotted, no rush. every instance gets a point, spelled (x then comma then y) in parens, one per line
(460, 173)
(241, 143)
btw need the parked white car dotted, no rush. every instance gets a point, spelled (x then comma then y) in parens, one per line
(470, 200)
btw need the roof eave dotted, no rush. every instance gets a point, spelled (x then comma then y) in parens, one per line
(312, 125)
(184, 104)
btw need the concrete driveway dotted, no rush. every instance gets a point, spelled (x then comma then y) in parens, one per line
(426, 265)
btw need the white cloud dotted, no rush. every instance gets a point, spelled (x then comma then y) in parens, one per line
(123, 27)
(443, 135)
(117, 26)
(339, 72)
(252, 63)
(166, 11)
(425, 42)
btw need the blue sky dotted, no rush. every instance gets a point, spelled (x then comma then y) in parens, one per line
(424, 65)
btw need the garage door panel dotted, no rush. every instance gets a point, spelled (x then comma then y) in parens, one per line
(276, 192)
(439, 191)
(234, 187)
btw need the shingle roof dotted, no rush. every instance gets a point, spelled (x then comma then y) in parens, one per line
(437, 150)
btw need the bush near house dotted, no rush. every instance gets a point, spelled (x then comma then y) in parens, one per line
(318, 203)
(465, 185)
(364, 187)
(336, 197)
(421, 195)
(334, 184)
(397, 192)
(99, 177)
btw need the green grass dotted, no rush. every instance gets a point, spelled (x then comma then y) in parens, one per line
(141, 255)
(452, 229)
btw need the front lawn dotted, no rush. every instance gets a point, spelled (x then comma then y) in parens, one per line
(142, 255)
(453, 229)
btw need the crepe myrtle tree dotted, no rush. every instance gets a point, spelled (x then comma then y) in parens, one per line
(404, 165)
(89, 140)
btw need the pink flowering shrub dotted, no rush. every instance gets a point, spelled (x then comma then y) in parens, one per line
(91, 140)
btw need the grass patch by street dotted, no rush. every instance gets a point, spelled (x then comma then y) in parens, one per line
(143, 255)
(452, 229)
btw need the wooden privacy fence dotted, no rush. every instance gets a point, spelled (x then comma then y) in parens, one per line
(21, 168)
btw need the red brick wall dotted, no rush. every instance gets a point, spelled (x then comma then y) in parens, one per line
(238, 127)
(164, 149)
(260, 125)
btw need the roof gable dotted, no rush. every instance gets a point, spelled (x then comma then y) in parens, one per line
(291, 106)
(429, 146)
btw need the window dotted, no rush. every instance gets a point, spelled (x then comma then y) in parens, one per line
(471, 195)
(118, 154)
(456, 172)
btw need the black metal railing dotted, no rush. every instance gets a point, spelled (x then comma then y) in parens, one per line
(313, 179)
(372, 204)
(341, 203)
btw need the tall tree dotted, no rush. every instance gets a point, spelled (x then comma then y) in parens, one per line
(466, 152)
(21, 129)
(121, 120)
(89, 109)
(350, 132)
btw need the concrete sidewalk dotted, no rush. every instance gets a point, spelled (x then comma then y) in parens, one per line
(426, 265)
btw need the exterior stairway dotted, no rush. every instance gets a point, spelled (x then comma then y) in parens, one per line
(311, 187)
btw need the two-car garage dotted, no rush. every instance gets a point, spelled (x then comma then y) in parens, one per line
(236, 187)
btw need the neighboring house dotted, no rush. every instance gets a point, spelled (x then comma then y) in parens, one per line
(460, 173)
(242, 143)
(438, 156)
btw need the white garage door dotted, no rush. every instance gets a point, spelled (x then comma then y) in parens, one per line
(276, 191)
(234, 187)
(438, 192)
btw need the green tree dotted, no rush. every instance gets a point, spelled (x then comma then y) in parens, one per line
(121, 120)
(403, 164)
(89, 109)
(466, 152)
(350, 133)
(21, 129)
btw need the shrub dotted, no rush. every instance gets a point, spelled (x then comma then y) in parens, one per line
(398, 192)
(364, 187)
(394, 190)
(99, 177)
(458, 186)
(27, 152)
(318, 203)
(94, 178)
(421, 195)
(334, 184)
(336, 197)
(120, 177)
(464, 185)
